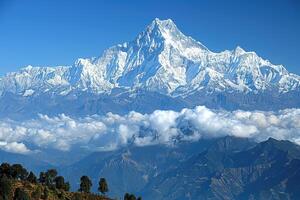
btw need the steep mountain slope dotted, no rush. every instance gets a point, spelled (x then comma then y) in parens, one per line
(130, 169)
(224, 168)
(162, 60)
(267, 171)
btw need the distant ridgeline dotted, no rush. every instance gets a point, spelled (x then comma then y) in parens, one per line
(228, 168)
(18, 184)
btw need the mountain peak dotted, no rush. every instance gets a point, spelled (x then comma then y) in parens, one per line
(161, 28)
(160, 32)
(163, 60)
(239, 50)
(163, 24)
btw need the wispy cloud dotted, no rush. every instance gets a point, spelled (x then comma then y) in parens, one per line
(160, 127)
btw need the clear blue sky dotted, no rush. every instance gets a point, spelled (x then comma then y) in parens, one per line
(56, 32)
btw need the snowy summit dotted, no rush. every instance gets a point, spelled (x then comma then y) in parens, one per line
(162, 60)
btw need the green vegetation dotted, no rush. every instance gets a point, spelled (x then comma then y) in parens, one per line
(31, 178)
(85, 184)
(103, 187)
(5, 188)
(20, 194)
(128, 196)
(17, 184)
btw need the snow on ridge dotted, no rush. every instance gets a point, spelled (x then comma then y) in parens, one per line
(161, 59)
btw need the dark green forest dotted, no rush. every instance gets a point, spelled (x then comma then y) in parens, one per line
(17, 183)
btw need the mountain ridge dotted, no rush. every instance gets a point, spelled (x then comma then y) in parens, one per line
(222, 168)
(89, 73)
(162, 60)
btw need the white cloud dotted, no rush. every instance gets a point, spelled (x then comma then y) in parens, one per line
(14, 147)
(112, 131)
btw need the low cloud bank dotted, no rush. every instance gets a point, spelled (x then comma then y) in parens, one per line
(161, 127)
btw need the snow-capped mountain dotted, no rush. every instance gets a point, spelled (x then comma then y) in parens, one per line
(161, 60)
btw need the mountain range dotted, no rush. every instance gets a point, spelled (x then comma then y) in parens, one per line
(160, 69)
(77, 119)
(219, 169)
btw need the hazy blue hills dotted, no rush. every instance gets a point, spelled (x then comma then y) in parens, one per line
(224, 168)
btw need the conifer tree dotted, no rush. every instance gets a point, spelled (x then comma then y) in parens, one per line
(85, 184)
(31, 178)
(103, 187)
(59, 182)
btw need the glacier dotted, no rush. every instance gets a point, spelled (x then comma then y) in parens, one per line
(160, 69)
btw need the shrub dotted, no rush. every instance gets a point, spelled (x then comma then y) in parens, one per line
(20, 194)
(5, 188)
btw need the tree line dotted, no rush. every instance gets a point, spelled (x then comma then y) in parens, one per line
(49, 178)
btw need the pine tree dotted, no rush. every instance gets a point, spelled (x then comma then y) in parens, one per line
(85, 184)
(50, 176)
(31, 178)
(59, 182)
(42, 178)
(18, 172)
(67, 186)
(103, 187)
(128, 196)
(5, 170)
